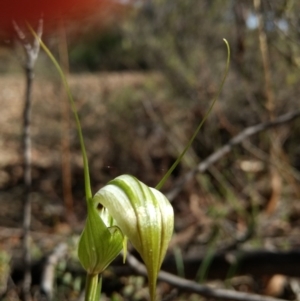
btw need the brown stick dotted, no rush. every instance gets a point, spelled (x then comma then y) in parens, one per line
(275, 141)
(48, 274)
(31, 52)
(191, 286)
(236, 140)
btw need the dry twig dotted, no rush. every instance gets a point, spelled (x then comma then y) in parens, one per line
(31, 52)
(214, 157)
(190, 286)
(49, 269)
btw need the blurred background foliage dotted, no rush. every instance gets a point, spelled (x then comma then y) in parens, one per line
(143, 78)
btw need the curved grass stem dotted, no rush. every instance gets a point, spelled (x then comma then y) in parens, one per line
(166, 176)
(87, 184)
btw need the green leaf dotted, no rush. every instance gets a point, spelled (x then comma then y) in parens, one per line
(99, 245)
(144, 215)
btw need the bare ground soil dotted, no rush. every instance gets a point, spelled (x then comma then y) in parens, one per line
(131, 125)
(48, 105)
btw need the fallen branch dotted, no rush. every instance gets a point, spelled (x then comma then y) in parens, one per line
(191, 286)
(48, 274)
(213, 158)
(256, 263)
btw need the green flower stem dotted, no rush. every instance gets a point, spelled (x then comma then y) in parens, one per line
(88, 191)
(93, 287)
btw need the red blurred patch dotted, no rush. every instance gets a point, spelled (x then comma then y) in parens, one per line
(51, 10)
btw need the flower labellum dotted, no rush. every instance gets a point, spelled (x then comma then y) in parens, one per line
(144, 215)
(99, 244)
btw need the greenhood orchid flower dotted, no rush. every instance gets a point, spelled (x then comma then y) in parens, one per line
(144, 215)
(132, 210)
